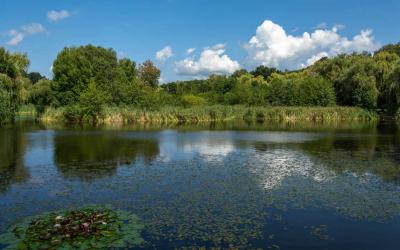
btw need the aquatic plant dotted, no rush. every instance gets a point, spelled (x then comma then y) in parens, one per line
(90, 227)
(195, 114)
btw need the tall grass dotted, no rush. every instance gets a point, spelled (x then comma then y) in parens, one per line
(132, 115)
(26, 110)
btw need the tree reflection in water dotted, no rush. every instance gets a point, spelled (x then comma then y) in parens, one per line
(89, 155)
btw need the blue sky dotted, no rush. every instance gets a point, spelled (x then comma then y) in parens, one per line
(226, 35)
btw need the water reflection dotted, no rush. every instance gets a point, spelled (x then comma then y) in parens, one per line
(12, 147)
(213, 185)
(93, 155)
(377, 152)
(13, 143)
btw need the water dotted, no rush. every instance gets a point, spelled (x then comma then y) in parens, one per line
(277, 186)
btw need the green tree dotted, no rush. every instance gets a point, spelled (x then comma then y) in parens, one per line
(391, 48)
(12, 71)
(353, 77)
(264, 71)
(34, 77)
(92, 101)
(41, 94)
(75, 67)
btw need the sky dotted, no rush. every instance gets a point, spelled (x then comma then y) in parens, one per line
(190, 39)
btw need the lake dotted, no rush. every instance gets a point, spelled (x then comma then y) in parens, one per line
(275, 186)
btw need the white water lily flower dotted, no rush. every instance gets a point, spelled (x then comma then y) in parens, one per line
(59, 217)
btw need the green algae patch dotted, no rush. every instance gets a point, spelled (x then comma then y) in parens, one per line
(85, 228)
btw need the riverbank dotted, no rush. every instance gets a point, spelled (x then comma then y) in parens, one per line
(132, 115)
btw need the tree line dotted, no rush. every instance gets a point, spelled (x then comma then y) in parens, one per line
(88, 78)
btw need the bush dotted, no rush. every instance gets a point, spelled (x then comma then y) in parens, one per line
(41, 95)
(282, 93)
(300, 90)
(316, 91)
(92, 101)
(73, 113)
(192, 100)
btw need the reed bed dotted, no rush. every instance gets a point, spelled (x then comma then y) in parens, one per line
(166, 115)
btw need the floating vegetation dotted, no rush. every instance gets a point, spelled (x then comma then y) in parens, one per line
(222, 189)
(321, 232)
(87, 228)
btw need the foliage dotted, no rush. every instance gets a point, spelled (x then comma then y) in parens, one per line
(354, 79)
(369, 81)
(41, 94)
(92, 101)
(75, 67)
(391, 48)
(195, 114)
(13, 85)
(35, 77)
(192, 100)
(149, 73)
(87, 228)
(264, 71)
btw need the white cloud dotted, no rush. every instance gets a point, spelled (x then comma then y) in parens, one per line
(213, 60)
(322, 26)
(16, 39)
(190, 50)
(18, 36)
(164, 53)
(272, 46)
(55, 16)
(32, 28)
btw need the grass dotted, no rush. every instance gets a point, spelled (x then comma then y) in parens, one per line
(133, 115)
(27, 110)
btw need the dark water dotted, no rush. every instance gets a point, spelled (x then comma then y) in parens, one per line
(278, 186)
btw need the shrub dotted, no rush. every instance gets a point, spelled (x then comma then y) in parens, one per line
(92, 101)
(316, 91)
(41, 94)
(192, 100)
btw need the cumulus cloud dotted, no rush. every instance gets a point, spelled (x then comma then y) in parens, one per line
(17, 36)
(272, 46)
(190, 50)
(164, 53)
(212, 60)
(55, 16)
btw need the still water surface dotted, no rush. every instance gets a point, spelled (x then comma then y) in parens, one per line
(279, 186)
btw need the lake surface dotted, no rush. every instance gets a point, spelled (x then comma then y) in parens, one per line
(277, 186)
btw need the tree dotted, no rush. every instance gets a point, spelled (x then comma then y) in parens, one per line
(264, 71)
(354, 78)
(41, 94)
(92, 101)
(391, 48)
(127, 69)
(239, 72)
(34, 77)
(12, 70)
(149, 73)
(75, 67)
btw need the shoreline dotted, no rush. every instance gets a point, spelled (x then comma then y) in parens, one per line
(218, 113)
